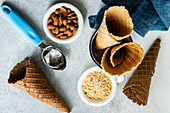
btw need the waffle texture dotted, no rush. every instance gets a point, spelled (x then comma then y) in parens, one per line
(116, 25)
(130, 54)
(138, 85)
(27, 77)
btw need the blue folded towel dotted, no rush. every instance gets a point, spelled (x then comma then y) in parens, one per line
(146, 14)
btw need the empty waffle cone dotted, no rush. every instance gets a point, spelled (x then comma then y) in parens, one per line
(132, 57)
(116, 25)
(140, 81)
(26, 76)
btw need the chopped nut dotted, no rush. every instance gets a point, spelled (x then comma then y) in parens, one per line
(57, 11)
(68, 21)
(60, 21)
(63, 11)
(75, 20)
(68, 32)
(71, 27)
(75, 30)
(62, 28)
(63, 37)
(60, 34)
(68, 10)
(70, 14)
(65, 22)
(56, 30)
(52, 15)
(73, 17)
(67, 26)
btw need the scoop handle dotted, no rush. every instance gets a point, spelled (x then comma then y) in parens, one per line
(19, 22)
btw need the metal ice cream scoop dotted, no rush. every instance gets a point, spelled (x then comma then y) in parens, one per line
(52, 57)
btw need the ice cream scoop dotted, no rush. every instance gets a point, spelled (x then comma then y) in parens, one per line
(52, 57)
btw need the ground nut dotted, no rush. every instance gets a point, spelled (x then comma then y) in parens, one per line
(75, 30)
(52, 15)
(50, 26)
(60, 21)
(69, 32)
(63, 37)
(57, 11)
(60, 34)
(70, 14)
(62, 28)
(75, 20)
(49, 21)
(65, 22)
(56, 30)
(72, 27)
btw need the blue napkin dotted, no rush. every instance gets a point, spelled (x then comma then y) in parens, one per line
(146, 14)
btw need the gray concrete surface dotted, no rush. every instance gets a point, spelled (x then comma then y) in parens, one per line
(14, 47)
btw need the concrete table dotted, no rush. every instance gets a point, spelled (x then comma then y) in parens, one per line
(14, 48)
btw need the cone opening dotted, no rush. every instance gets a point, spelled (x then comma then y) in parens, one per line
(118, 57)
(119, 22)
(18, 73)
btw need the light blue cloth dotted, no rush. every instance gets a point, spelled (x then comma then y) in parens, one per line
(146, 14)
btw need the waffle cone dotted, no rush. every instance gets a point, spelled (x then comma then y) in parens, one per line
(26, 76)
(139, 82)
(132, 55)
(116, 25)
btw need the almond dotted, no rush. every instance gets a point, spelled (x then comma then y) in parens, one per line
(55, 21)
(60, 21)
(68, 21)
(57, 11)
(68, 10)
(56, 30)
(60, 34)
(65, 22)
(70, 14)
(75, 30)
(72, 27)
(63, 37)
(69, 32)
(52, 15)
(75, 20)
(49, 21)
(50, 26)
(63, 11)
(62, 28)
(73, 17)
(67, 26)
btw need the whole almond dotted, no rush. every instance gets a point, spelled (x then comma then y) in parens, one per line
(68, 32)
(73, 17)
(68, 21)
(50, 26)
(63, 11)
(72, 27)
(49, 21)
(57, 11)
(56, 30)
(52, 15)
(70, 14)
(68, 10)
(75, 30)
(63, 37)
(53, 31)
(60, 34)
(65, 22)
(75, 20)
(69, 18)
(67, 26)
(62, 28)
(55, 21)
(60, 21)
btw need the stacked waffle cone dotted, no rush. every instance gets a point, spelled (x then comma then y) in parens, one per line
(27, 77)
(119, 57)
(138, 86)
(116, 25)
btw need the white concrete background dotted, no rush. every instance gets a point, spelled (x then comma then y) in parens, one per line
(14, 47)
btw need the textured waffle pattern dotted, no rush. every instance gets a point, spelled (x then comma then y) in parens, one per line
(35, 84)
(139, 83)
(132, 57)
(116, 25)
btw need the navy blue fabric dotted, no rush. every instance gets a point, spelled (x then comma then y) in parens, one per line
(146, 14)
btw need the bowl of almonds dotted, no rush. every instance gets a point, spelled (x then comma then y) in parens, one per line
(63, 23)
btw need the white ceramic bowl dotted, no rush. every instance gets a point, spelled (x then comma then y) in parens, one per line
(95, 102)
(80, 23)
